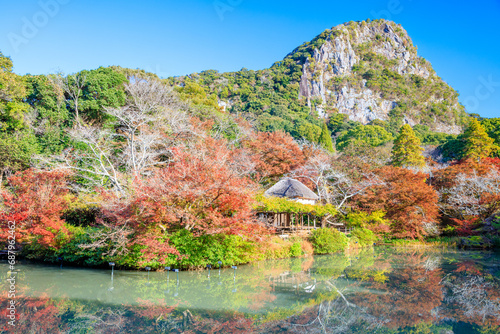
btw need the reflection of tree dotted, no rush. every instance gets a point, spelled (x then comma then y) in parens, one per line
(34, 315)
(335, 316)
(362, 292)
(410, 293)
(469, 267)
(398, 291)
(260, 299)
(366, 266)
(101, 321)
(471, 299)
(329, 267)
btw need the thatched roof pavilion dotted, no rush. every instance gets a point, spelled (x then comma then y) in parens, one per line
(292, 189)
(287, 220)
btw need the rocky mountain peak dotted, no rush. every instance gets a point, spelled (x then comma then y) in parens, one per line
(348, 66)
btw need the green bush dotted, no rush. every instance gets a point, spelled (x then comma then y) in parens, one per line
(72, 253)
(275, 248)
(196, 251)
(209, 249)
(328, 267)
(363, 236)
(68, 249)
(296, 249)
(476, 241)
(495, 240)
(328, 240)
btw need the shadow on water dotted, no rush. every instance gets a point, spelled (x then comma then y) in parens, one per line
(374, 290)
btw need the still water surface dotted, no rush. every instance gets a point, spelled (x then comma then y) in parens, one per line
(381, 290)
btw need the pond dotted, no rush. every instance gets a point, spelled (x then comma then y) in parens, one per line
(381, 290)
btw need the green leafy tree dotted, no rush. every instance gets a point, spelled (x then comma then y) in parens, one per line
(477, 142)
(12, 93)
(16, 150)
(492, 127)
(17, 142)
(453, 149)
(197, 95)
(340, 123)
(104, 88)
(372, 135)
(428, 137)
(407, 151)
(47, 100)
(304, 129)
(325, 139)
(88, 93)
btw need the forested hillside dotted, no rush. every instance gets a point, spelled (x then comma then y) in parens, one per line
(356, 73)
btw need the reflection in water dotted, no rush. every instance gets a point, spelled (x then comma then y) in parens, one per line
(382, 290)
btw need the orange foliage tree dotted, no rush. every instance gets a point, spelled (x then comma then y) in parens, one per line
(446, 177)
(201, 190)
(35, 201)
(469, 188)
(274, 154)
(410, 204)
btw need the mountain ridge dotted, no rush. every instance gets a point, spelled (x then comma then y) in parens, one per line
(368, 71)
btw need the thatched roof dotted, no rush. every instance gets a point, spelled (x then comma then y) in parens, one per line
(291, 188)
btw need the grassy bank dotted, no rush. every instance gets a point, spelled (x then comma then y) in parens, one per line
(196, 252)
(470, 242)
(439, 242)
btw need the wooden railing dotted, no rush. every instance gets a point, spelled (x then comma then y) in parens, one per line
(293, 222)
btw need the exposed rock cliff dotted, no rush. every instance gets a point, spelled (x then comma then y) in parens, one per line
(347, 74)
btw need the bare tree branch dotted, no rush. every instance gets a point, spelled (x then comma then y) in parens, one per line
(73, 86)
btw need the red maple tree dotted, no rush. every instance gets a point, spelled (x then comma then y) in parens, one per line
(408, 201)
(200, 190)
(274, 154)
(35, 201)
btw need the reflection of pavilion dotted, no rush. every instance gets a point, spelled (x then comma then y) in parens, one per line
(297, 283)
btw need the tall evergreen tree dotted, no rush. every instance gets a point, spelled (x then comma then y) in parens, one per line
(325, 139)
(477, 142)
(407, 151)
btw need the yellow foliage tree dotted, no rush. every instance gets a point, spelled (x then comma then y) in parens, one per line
(478, 144)
(407, 151)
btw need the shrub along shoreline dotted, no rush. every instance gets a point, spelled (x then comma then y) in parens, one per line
(198, 252)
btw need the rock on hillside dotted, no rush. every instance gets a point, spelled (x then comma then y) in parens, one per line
(367, 69)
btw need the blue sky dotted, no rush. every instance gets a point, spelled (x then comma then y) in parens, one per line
(460, 38)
